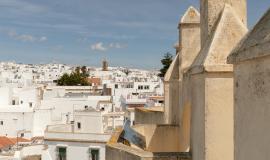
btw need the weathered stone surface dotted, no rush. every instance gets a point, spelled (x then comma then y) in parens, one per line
(149, 116)
(209, 83)
(210, 13)
(191, 16)
(252, 109)
(227, 33)
(191, 45)
(189, 32)
(256, 43)
(171, 93)
(251, 93)
(160, 138)
(122, 152)
(173, 71)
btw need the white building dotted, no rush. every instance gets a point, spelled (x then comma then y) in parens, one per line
(83, 139)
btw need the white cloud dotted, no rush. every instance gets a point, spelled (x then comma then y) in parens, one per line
(117, 45)
(25, 37)
(102, 47)
(42, 39)
(98, 47)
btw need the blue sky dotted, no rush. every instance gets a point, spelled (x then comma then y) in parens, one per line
(129, 33)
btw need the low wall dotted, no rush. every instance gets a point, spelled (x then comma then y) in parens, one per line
(123, 152)
(160, 138)
(144, 116)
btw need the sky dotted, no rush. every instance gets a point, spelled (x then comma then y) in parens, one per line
(128, 33)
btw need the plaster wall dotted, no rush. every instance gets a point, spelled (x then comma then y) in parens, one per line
(212, 116)
(185, 113)
(75, 150)
(252, 112)
(149, 117)
(171, 92)
(13, 122)
(197, 117)
(41, 118)
(5, 96)
(190, 43)
(90, 122)
(160, 138)
(121, 152)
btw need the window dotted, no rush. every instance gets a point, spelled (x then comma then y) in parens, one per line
(79, 125)
(129, 86)
(22, 134)
(21, 102)
(13, 102)
(116, 86)
(31, 104)
(1, 123)
(140, 87)
(62, 153)
(94, 154)
(146, 87)
(160, 101)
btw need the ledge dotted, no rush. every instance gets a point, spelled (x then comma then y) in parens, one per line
(121, 151)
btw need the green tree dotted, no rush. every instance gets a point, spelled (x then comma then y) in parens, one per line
(84, 72)
(63, 81)
(73, 79)
(78, 70)
(166, 62)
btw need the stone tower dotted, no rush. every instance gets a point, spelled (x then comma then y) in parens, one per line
(211, 10)
(189, 31)
(105, 65)
(189, 37)
(210, 79)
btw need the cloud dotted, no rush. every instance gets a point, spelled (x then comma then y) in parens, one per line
(117, 45)
(42, 39)
(26, 37)
(98, 47)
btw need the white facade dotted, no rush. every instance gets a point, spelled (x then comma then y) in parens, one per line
(31, 105)
(79, 138)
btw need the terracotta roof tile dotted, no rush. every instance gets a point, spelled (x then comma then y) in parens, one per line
(5, 142)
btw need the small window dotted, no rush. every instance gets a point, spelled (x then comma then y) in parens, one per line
(140, 87)
(94, 154)
(22, 134)
(21, 102)
(61, 153)
(79, 125)
(31, 104)
(1, 123)
(13, 102)
(116, 86)
(146, 87)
